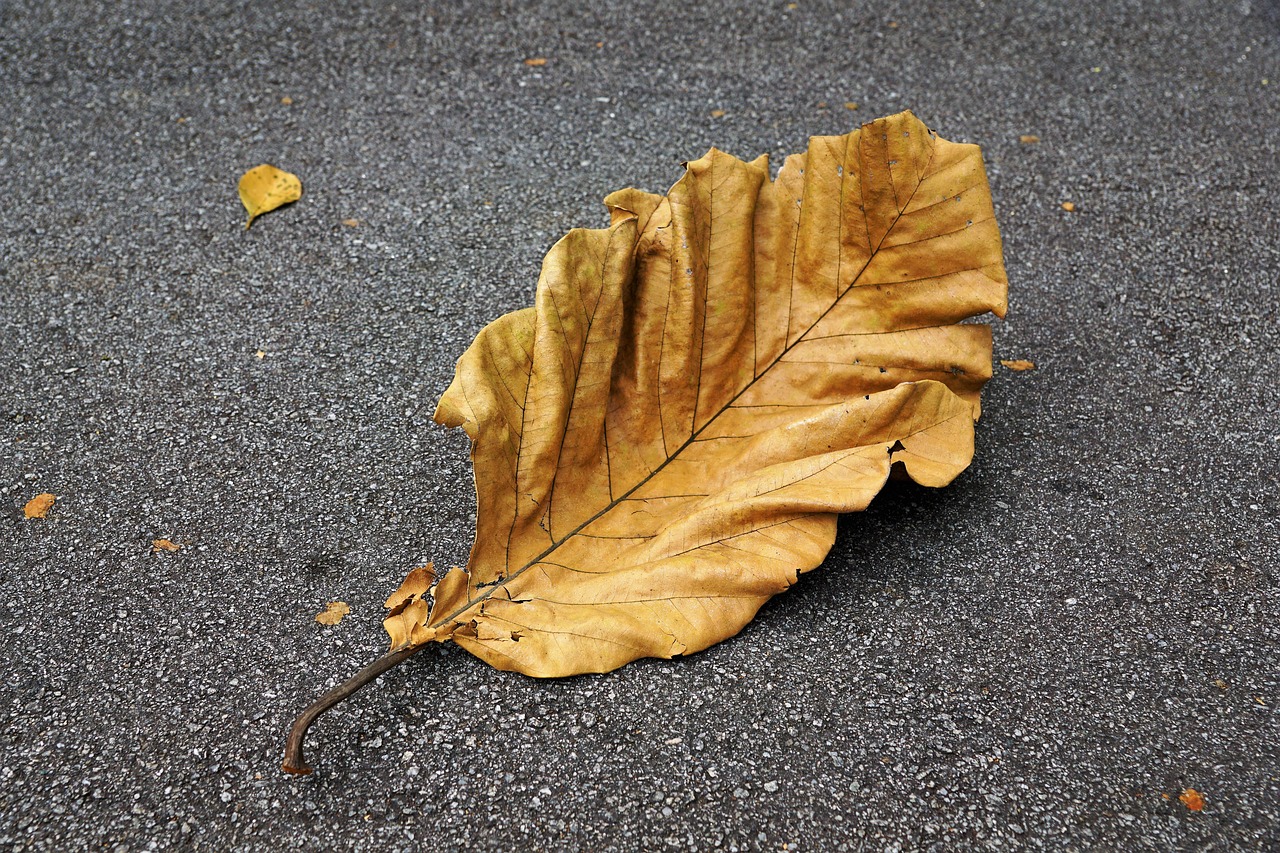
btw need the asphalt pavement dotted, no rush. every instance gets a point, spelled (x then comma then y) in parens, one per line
(1046, 655)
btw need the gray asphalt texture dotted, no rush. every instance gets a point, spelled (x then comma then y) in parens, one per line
(1041, 656)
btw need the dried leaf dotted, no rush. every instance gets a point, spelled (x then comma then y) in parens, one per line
(158, 545)
(717, 113)
(850, 105)
(1028, 139)
(1069, 207)
(1018, 364)
(264, 188)
(333, 613)
(536, 61)
(39, 506)
(663, 441)
(1192, 799)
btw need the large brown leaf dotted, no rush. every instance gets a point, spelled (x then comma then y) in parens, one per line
(663, 441)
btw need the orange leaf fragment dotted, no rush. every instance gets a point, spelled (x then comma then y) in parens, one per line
(850, 105)
(158, 545)
(1069, 206)
(1192, 799)
(717, 113)
(536, 61)
(1028, 139)
(333, 614)
(351, 223)
(39, 506)
(1018, 364)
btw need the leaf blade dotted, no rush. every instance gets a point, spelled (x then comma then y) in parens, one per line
(744, 428)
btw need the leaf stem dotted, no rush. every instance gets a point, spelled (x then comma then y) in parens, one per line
(293, 759)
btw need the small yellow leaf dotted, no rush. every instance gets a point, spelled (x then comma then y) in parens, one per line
(850, 105)
(1192, 799)
(1028, 139)
(1069, 206)
(264, 188)
(333, 614)
(39, 506)
(717, 113)
(1018, 364)
(158, 545)
(260, 355)
(536, 61)
(286, 100)
(1220, 684)
(351, 223)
